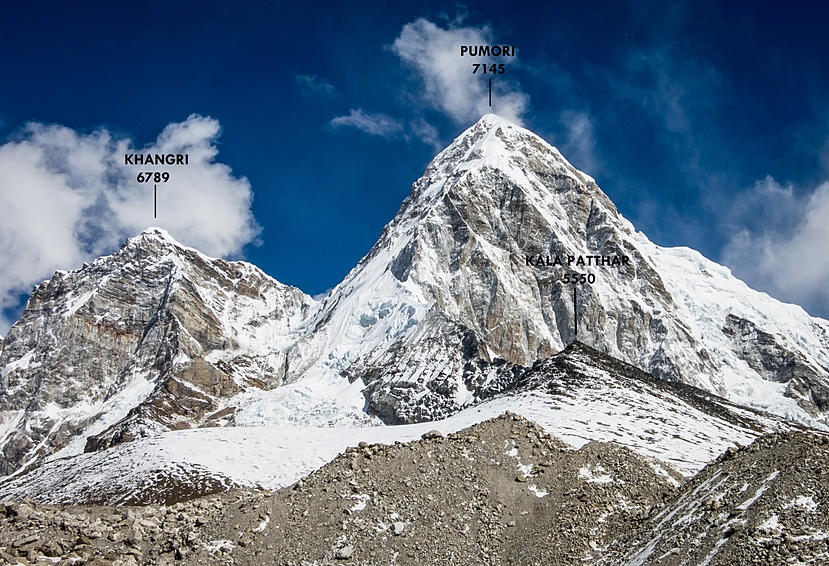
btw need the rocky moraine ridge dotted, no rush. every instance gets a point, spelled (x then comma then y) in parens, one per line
(500, 492)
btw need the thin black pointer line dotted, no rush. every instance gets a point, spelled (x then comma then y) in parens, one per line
(575, 314)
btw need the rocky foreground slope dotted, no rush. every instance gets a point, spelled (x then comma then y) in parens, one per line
(763, 504)
(477, 496)
(500, 492)
(579, 395)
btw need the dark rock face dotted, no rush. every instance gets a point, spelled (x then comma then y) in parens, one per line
(807, 382)
(759, 349)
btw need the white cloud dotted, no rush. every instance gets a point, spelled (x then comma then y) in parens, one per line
(372, 124)
(67, 197)
(783, 246)
(652, 83)
(315, 85)
(389, 127)
(768, 206)
(448, 83)
(579, 145)
(426, 133)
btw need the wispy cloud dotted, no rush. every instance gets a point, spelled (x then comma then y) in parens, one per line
(426, 132)
(780, 242)
(68, 197)
(446, 84)
(677, 94)
(383, 125)
(314, 85)
(377, 124)
(446, 78)
(652, 83)
(579, 145)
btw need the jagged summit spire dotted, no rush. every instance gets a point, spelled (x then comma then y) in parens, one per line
(157, 240)
(157, 232)
(153, 235)
(500, 143)
(494, 120)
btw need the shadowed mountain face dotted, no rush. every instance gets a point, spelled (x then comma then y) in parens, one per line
(463, 289)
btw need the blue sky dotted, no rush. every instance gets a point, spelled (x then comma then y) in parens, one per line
(705, 122)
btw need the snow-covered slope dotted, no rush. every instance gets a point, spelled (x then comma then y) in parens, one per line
(578, 396)
(439, 313)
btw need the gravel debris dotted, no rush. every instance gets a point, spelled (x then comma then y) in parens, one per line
(455, 500)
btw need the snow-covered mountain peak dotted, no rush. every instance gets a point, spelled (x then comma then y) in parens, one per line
(491, 120)
(157, 241)
(497, 143)
(155, 232)
(152, 336)
(471, 278)
(474, 265)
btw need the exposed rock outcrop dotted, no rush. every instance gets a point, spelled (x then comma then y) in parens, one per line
(152, 338)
